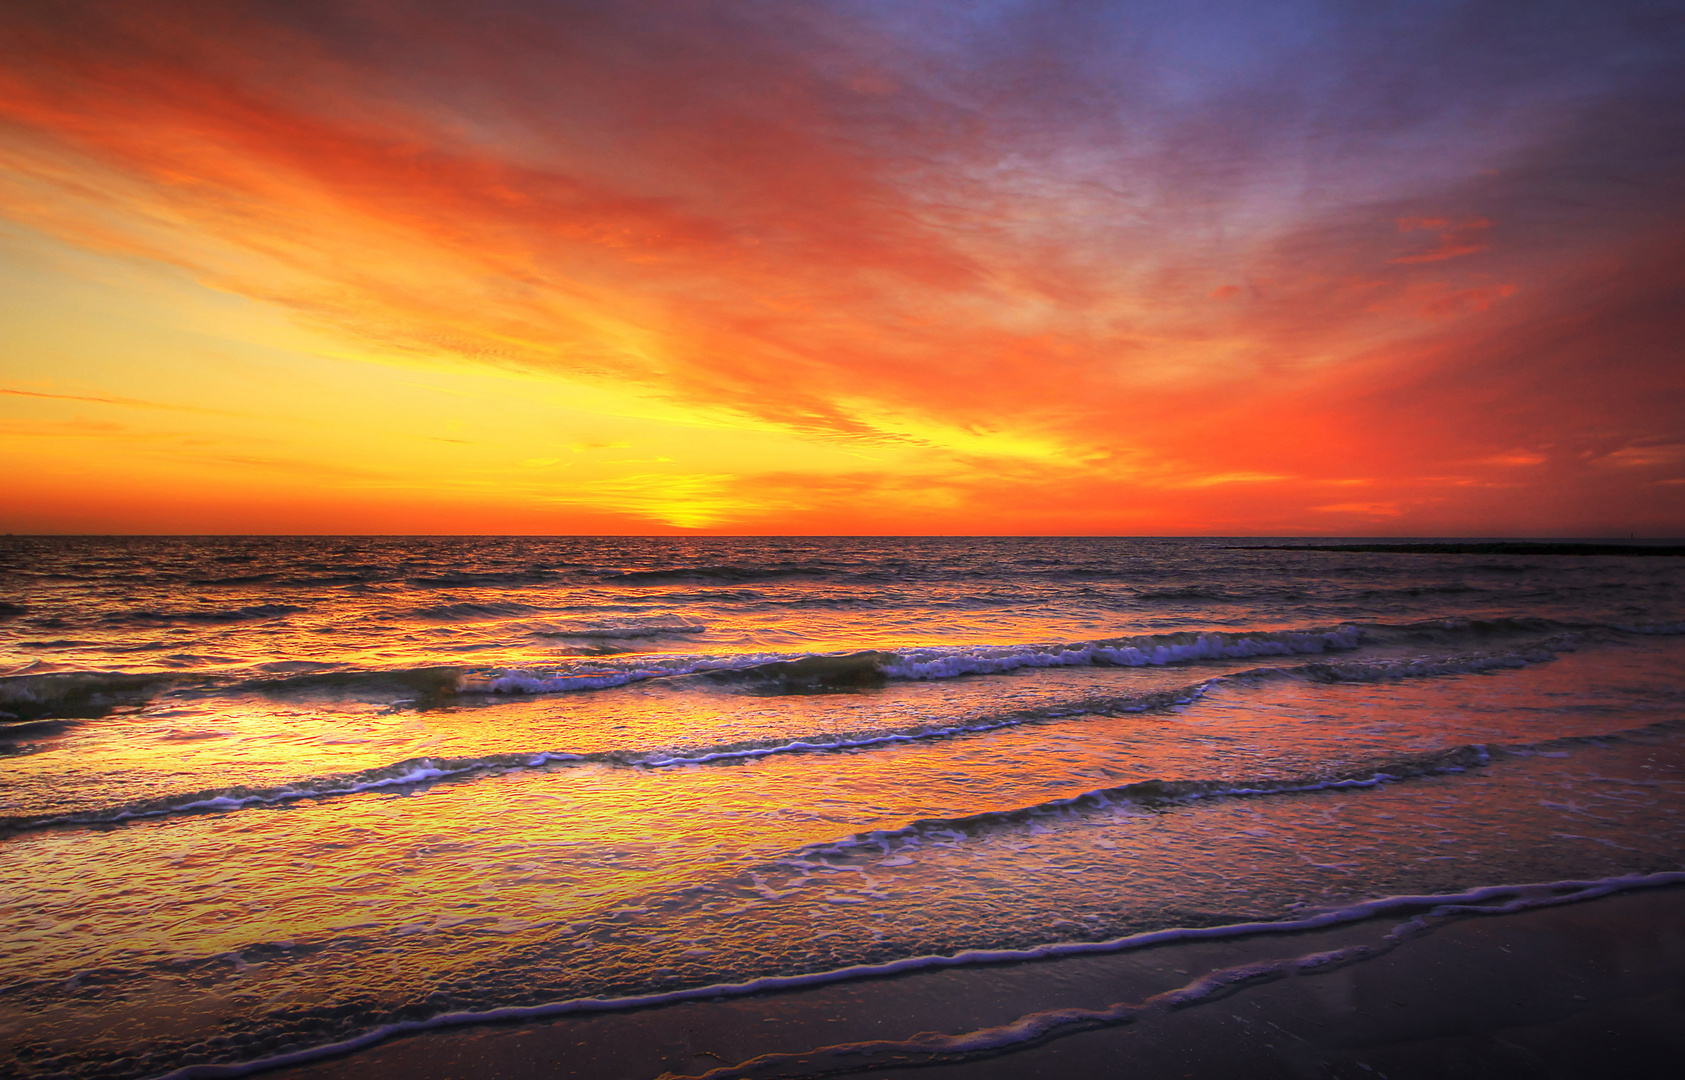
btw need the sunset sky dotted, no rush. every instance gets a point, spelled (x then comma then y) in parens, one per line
(1389, 268)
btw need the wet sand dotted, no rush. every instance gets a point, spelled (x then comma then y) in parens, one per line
(1588, 989)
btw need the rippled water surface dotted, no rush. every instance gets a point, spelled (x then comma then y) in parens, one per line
(283, 791)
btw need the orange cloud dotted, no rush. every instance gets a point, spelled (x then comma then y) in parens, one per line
(822, 276)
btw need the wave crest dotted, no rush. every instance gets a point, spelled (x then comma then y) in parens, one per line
(75, 694)
(1153, 650)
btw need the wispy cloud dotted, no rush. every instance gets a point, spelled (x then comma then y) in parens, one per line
(125, 402)
(1162, 269)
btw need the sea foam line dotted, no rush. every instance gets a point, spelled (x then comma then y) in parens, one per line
(1139, 703)
(1170, 792)
(934, 1047)
(422, 770)
(38, 691)
(1472, 902)
(940, 664)
(943, 663)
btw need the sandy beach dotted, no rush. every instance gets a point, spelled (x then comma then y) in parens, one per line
(1594, 988)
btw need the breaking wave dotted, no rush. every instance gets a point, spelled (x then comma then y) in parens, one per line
(1156, 649)
(426, 682)
(75, 694)
(875, 667)
(402, 774)
(1155, 793)
(91, 694)
(1146, 792)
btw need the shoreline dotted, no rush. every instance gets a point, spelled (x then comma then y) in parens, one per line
(1151, 997)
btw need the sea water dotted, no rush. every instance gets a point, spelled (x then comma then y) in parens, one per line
(260, 795)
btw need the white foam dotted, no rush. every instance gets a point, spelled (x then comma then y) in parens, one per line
(519, 682)
(805, 746)
(1025, 1028)
(942, 663)
(420, 772)
(428, 769)
(1104, 797)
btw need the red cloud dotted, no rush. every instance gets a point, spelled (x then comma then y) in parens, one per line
(742, 216)
(1456, 239)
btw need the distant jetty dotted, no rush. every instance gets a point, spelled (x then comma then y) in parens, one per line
(1500, 547)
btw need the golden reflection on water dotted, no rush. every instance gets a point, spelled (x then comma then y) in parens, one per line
(587, 837)
(309, 917)
(487, 888)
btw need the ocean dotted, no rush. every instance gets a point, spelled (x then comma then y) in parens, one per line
(266, 795)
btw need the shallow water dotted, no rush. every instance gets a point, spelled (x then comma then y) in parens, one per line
(282, 791)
